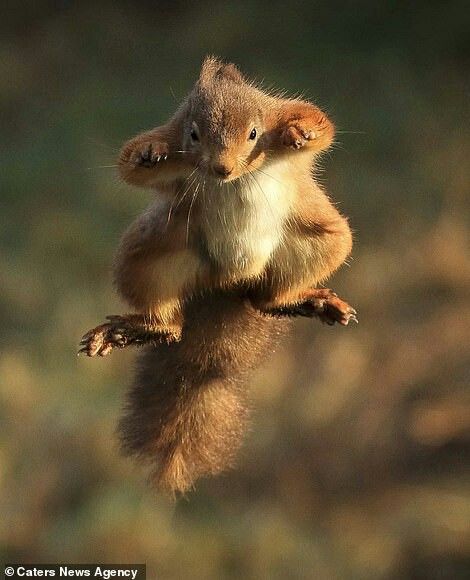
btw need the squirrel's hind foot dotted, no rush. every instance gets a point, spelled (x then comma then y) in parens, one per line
(329, 308)
(119, 332)
(324, 304)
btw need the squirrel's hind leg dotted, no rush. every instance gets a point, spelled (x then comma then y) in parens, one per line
(322, 303)
(122, 331)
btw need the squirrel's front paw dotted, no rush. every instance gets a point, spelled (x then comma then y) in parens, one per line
(296, 135)
(149, 154)
(143, 153)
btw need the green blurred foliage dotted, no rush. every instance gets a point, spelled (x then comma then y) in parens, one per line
(357, 463)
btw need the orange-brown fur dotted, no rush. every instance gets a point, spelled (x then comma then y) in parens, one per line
(239, 233)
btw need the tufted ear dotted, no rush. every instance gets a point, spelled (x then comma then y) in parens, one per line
(214, 69)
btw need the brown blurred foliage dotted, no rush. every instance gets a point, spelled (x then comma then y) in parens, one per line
(357, 463)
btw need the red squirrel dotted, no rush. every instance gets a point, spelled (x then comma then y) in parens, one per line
(237, 239)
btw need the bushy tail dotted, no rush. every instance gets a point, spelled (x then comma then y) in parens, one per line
(186, 411)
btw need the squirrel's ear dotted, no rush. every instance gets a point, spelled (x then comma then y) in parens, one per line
(232, 72)
(213, 69)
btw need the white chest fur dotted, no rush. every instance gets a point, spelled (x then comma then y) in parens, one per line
(243, 223)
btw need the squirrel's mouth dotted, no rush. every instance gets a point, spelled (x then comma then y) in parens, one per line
(223, 174)
(220, 172)
(223, 179)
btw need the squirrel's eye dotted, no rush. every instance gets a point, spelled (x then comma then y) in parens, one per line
(194, 135)
(253, 134)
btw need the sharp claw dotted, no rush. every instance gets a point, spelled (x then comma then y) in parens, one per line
(165, 157)
(84, 349)
(354, 319)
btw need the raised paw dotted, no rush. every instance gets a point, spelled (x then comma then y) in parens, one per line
(149, 154)
(296, 135)
(102, 339)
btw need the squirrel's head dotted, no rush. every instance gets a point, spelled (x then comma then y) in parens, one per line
(224, 126)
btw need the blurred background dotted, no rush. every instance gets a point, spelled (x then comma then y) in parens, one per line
(357, 462)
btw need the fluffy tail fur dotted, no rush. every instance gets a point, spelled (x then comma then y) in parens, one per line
(186, 411)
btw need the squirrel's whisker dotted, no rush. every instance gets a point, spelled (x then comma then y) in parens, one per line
(189, 211)
(102, 167)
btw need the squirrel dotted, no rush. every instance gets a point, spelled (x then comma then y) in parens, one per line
(235, 243)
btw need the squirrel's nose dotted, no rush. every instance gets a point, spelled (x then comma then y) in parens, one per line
(222, 169)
